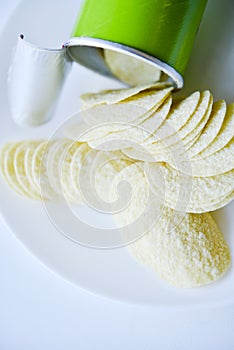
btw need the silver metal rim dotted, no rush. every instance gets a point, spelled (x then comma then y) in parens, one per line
(175, 77)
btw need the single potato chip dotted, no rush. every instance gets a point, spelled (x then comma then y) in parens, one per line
(224, 136)
(186, 193)
(130, 70)
(28, 157)
(76, 163)
(115, 96)
(211, 129)
(54, 154)
(7, 167)
(20, 171)
(107, 166)
(191, 254)
(65, 172)
(219, 162)
(40, 172)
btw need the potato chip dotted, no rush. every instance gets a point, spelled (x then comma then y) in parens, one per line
(76, 163)
(190, 132)
(128, 110)
(40, 174)
(179, 115)
(191, 254)
(28, 156)
(224, 136)
(95, 175)
(65, 172)
(219, 162)
(54, 153)
(186, 193)
(139, 153)
(107, 166)
(134, 204)
(7, 167)
(19, 169)
(115, 96)
(147, 122)
(179, 137)
(211, 129)
(222, 202)
(131, 70)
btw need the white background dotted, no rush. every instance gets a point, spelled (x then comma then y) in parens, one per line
(39, 310)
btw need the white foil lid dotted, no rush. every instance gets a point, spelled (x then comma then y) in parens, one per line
(35, 80)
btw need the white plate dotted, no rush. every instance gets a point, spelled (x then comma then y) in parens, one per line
(110, 273)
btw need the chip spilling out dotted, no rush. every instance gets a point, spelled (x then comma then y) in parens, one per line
(157, 163)
(130, 70)
(190, 254)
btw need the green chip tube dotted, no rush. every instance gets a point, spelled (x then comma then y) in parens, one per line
(163, 30)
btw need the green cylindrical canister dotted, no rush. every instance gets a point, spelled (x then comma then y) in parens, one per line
(160, 32)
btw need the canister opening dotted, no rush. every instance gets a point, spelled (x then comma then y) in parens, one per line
(89, 52)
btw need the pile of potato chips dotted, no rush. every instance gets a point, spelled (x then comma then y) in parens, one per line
(176, 153)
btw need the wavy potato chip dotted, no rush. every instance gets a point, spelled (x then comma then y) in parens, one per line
(224, 136)
(75, 165)
(67, 185)
(20, 171)
(191, 254)
(7, 167)
(172, 135)
(211, 129)
(40, 174)
(95, 176)
(55, 153)
(190, 132)
(134, 196)
(137, 130)
(178, 116)
(128, 110)
(115, 96)
(186, 193)
(186, 250)
(107, 166)
(28, 157)
(130, 70)
(219, 162)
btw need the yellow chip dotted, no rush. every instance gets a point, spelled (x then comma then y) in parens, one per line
(128, 110)
(76, 163)
(7, 167)
(190, 254)
(219, 162)
(211, 129)
(20, 170)
(194, 129)
(189, 133)
(149, 121)
(28, 157)
(134, 197)
(186, 250)
(65, 172)
(115, 96)
(179, 115)
(187, 193)
(107, 166)
(224, 136)
(130, 70)
(55, 151)
(40, 174)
